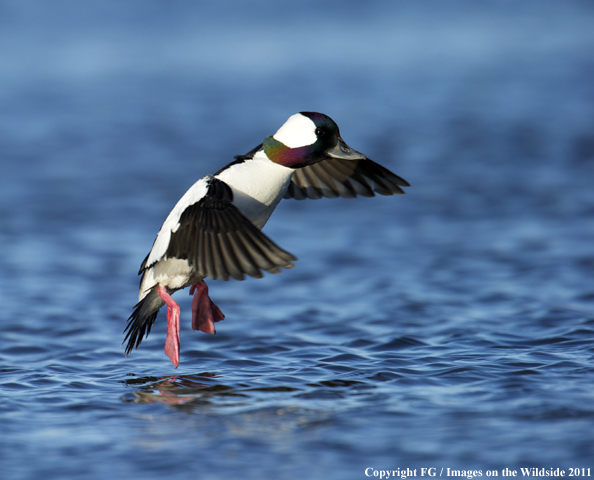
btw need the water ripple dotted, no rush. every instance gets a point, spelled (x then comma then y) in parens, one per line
(451, 326)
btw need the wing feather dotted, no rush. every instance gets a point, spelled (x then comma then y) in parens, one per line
(334, 177)
(219, 242)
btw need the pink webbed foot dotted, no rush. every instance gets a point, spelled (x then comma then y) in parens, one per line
(204, 310)
(172, 341)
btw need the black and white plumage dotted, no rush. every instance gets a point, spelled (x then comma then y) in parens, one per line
(214, 230)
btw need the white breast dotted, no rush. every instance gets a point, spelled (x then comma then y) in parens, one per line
(258, 186)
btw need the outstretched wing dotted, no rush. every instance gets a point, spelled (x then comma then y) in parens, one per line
(219, 242)
(334, 178)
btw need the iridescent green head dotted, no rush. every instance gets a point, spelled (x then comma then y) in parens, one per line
(307, 138)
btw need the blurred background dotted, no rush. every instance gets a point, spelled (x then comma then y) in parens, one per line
(451, 326)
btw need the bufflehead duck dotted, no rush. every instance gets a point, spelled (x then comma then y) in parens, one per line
(214, 230)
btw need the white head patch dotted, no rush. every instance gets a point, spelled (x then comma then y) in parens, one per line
(298, 131)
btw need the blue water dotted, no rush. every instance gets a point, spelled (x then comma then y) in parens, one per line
(449, 327)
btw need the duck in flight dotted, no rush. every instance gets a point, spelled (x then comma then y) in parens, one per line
(214, 230)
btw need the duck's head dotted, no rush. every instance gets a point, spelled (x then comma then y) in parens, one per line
(307, 138)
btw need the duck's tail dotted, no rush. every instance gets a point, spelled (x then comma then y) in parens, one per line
(142, 319)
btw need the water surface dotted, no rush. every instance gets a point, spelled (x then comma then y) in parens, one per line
(450, 327)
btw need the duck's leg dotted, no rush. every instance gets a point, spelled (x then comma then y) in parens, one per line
(204, 310)
(172, 341)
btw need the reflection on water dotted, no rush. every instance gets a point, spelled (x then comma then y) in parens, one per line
(187, 391)
(190, 391)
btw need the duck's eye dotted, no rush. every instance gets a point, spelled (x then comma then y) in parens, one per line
(320, 132)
